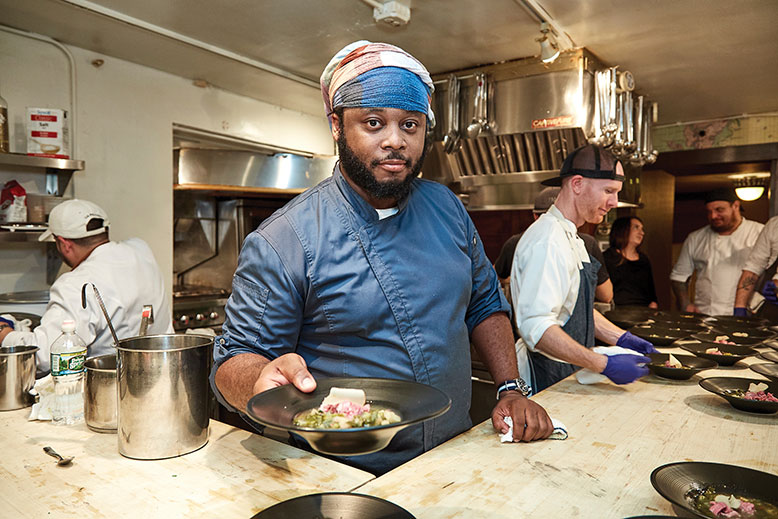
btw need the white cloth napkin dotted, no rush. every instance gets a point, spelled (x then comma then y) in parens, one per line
(585, 376)
(560, 431)
(41, 410)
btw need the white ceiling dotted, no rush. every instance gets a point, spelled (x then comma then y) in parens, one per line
(699, 59)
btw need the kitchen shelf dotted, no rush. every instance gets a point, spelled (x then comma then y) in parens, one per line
(19, 236)
(29, 161)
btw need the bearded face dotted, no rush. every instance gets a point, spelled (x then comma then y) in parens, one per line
(382, 150)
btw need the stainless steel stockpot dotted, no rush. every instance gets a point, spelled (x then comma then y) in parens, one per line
(164, 395)
(17, 377)
(100, 396)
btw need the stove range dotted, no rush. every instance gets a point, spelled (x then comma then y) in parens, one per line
(198, 307)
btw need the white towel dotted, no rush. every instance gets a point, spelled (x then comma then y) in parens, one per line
(585, 376)
(560, 431)
(41, 410)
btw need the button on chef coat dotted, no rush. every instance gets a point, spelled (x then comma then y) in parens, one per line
(545, 276)
(718, 260)
(127, 276)
(765, 250)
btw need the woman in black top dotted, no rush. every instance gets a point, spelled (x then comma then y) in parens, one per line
(629, 269)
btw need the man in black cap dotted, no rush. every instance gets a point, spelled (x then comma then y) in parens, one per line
(717, 253)
(553, 281)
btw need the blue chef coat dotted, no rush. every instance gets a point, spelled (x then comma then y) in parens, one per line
(357, 296)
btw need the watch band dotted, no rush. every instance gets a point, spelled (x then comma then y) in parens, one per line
(514, 384)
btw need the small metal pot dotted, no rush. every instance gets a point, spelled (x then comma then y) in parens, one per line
(100, 397)
(164, 395)
(17, 377)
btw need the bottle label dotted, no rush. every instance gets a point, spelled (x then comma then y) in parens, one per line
(70, 363)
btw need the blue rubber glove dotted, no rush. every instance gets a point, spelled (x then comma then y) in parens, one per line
(769, 292)
(635, 343)
(740, 312)
(623, 369)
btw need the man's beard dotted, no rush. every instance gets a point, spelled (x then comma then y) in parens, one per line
(362, 176)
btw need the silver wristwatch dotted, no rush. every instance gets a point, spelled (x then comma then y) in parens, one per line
(514, 384)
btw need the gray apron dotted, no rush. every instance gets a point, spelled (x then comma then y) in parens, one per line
(580, 326)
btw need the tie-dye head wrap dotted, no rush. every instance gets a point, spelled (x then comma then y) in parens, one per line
(372, 75)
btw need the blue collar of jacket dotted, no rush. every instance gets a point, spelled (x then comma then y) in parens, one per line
(361, 206)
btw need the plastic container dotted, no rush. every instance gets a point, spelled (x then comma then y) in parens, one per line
(68, 355)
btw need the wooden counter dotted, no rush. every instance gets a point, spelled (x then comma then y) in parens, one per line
(236, 474)
(618, 435)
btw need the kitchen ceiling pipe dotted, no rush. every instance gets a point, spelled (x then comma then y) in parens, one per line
(72, 66)
(156, 29)
(541, 15)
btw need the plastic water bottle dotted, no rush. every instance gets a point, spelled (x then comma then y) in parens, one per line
(68, 354)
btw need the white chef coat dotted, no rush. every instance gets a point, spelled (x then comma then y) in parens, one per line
(765, 249)
(545, 274)
(718, 260)
(127, 277)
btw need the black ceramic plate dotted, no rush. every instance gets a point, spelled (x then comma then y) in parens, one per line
(414, 402)
(342, 505)
(629, 316)
(768, 369)
(738, 353)
(712, 335)
(691, 365)
(722, 386)
(688, 317)
(769, 355)
(658, 335)
(679, 482)
(744, 334)
(731, 320)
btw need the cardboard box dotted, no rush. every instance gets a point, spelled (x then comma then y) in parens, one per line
(47, 133)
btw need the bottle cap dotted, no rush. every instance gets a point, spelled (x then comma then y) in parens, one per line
(68, 326)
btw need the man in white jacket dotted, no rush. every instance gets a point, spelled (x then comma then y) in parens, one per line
(125, 273)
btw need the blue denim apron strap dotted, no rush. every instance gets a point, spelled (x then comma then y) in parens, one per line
(580, 326)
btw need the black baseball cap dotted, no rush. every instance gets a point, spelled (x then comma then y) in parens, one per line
(589, 161)
(723, 193)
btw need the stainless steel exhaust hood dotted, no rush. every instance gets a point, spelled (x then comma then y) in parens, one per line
(204, 161)
(510, 125)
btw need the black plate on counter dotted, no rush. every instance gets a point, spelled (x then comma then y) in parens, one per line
(682, 317)
(737, 353)
(343, 505)
(744, 334)
(769, 355)
(723, 386)
(413, 401)
(732, 320)
(768, 369)
(659, 335)
(629, 316)
(691, 365)
(681, 482)
(712, 336)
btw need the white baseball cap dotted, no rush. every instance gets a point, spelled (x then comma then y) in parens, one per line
(70, 218)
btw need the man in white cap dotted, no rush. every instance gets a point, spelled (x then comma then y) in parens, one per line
(125, 273)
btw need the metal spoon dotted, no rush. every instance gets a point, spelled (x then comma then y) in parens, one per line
(102, 307)
(61, 461)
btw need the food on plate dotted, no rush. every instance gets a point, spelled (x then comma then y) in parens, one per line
(711, 502)
(740, 334)
(723, 339)
(345, 408)
(716, 351)
(754, 392)
(672, 362)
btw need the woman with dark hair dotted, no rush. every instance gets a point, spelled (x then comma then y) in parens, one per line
(629, 269)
